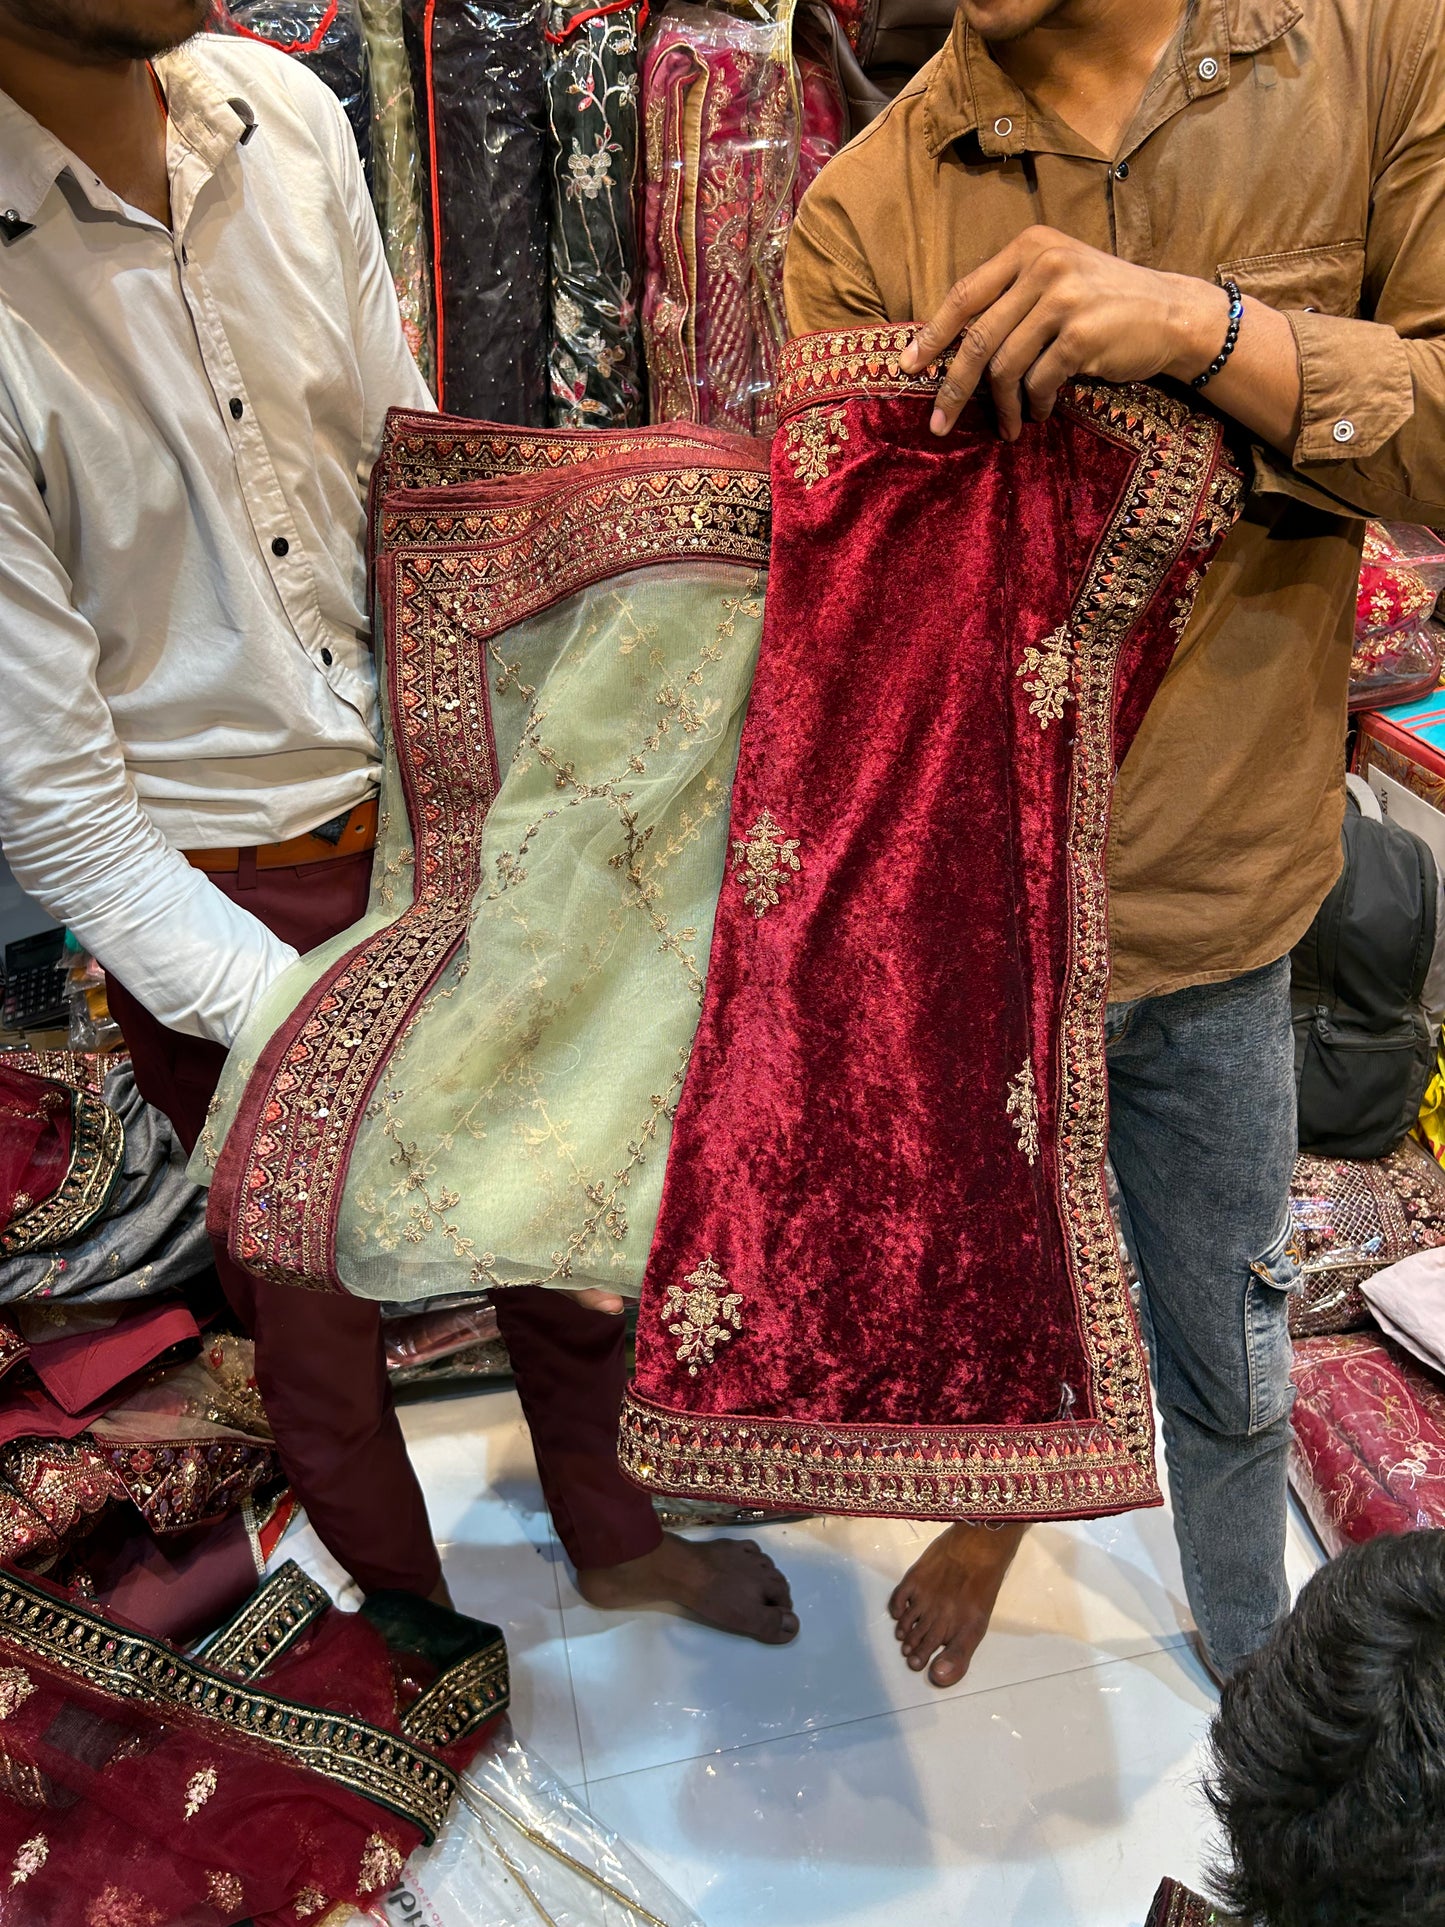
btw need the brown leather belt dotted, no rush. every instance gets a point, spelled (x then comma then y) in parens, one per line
(357, 832)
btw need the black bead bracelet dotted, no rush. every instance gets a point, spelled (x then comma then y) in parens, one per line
(1236, 315)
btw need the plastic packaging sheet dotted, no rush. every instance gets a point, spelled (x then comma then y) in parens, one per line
(518, 1851)
(594, 352)
(1352, 1218)
(479, 75)
(397, 186)
(736, 129)
(1398, 653)
(325, 35)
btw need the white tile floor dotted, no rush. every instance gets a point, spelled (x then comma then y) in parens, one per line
(824, 1785)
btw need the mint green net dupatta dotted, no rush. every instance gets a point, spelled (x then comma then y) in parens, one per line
(474, 1086)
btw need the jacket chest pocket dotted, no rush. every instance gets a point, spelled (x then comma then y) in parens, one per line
(1328, 280)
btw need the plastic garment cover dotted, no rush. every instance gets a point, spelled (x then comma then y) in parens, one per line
(1352, 1218)
(1397, 649)
(326, 36)
(1368, 1453)
(397, 186)
(518, 1851)
(594, 350)
(735, 130)
(479, 74)
(150, 1235)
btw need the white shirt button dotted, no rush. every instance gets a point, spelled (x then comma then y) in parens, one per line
(1344, 431)
(1209, 68)
(1003, 128)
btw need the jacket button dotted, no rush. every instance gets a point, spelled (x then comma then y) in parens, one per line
(1209, 68)
(237, 408)
(326, 657)
(280, 546)
(1344, 431)
(1121, 172)
(1003, 128)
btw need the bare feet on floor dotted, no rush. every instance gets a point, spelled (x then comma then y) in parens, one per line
(728, 1583)
(943, 1603)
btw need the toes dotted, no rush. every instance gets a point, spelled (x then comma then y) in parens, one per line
(953, 1662)
(782, 1629)
(901, 1599)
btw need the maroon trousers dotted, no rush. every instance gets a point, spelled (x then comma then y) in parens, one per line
(320, 1361)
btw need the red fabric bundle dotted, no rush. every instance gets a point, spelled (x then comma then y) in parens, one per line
(60, 1151)
(885, 1278)
(290, 1770)
(1369, 1439)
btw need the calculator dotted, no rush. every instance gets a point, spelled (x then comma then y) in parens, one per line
(35, 982)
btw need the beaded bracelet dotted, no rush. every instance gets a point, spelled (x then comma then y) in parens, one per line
(1236, 315)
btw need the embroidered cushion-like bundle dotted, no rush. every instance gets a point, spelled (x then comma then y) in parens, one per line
(1352, 1217)
(1369, 1439)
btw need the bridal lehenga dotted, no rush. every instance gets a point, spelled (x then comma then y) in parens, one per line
(738, 930)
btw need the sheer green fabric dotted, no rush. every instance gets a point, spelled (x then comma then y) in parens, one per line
(519, 1132)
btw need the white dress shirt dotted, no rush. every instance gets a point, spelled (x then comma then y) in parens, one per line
(187, 420)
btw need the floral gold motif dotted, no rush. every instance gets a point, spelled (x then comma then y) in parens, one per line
(1023, 1108)
(813, 440)
(308, 1903)
(30, 1859)
(121, 1907)
(199, 1789)
(704, 1307)
(380, 1864)
(225, 1891)
(767, 859)
(16, 1686)
(1045, 672)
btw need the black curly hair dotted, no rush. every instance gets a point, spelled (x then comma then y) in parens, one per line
(1328, 1753)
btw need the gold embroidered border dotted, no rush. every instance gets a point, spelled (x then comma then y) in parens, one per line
(97, 1151)
(378, 1766)
(1185, 490)
(457, 1703)
(446, 451)
(270, 1623)
(893, 1471)
(282, 1169)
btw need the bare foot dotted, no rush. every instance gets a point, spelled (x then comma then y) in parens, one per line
(728, 1583)
(946, 1598)
(593, 1299)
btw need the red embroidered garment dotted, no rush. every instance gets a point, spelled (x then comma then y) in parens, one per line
(289, 1771)
(60, 1152)
(884, 1278)
(1369, 1439)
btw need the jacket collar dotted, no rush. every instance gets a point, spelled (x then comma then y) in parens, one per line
(968, 93)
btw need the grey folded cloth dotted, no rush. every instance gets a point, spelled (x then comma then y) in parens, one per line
(150, 1238)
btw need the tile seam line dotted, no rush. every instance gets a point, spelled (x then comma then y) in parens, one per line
(1178, 1642)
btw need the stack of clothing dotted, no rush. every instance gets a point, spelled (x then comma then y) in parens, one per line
(135, 1458)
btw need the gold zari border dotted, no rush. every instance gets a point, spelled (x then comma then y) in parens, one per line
(270, 1623)
(97, 1151)
(461, 1700)
(378, 1766)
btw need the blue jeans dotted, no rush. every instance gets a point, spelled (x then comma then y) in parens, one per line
(1203, 1140)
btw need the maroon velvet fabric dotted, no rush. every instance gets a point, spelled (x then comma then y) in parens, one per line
(884, 1277)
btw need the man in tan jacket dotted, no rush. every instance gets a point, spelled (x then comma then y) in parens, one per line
(1250, 191)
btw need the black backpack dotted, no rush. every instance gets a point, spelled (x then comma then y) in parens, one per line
(1364, 1048)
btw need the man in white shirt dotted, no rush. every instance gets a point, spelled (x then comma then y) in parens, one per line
(198, 343)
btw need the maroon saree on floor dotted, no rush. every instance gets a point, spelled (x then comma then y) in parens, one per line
(885, 1278)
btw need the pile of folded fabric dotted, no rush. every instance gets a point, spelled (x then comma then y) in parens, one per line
(1368, 1200)
(135, 1458)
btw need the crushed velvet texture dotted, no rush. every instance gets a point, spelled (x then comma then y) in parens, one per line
(884, 1278)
